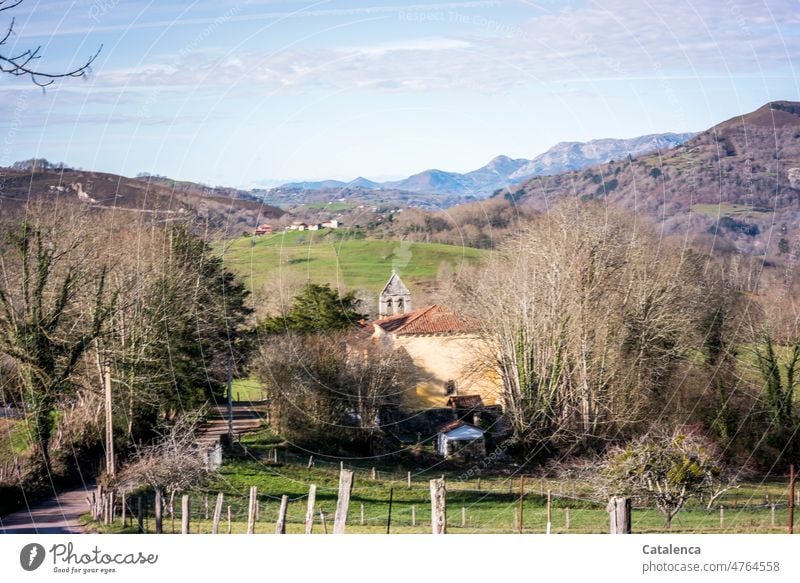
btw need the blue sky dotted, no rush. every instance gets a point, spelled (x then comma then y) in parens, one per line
(248, 92)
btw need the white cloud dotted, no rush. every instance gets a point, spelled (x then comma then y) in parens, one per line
(613, 39)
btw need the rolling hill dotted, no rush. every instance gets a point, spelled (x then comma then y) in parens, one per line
(733, 186)
(220, 209)
(343, 258)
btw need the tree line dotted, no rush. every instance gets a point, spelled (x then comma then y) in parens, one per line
(80, 292)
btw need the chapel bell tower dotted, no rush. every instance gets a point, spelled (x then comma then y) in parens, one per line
(395, 298)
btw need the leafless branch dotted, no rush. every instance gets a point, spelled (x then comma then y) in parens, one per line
(22, 64)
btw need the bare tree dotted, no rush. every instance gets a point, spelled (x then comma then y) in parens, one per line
(326, 393)
(171, 464)
(586, 316)
(22, 64)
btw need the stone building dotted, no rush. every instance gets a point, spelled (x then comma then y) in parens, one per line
(394, 298)
(443, 346)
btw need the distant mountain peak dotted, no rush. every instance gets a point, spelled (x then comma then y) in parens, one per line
(502, 171)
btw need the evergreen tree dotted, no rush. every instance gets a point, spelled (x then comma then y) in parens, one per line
(318, 308)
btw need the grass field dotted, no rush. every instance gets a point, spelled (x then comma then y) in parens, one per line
(247, 390)
(489, 506)
(729, 210)
(338, 257)
(328, 206)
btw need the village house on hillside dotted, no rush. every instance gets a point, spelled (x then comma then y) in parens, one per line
(443, 346)
(263, 230)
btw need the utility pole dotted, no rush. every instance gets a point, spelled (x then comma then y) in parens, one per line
(109, 418)
(108, 510)
(230, 400)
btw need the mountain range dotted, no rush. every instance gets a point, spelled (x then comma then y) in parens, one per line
(503, 171)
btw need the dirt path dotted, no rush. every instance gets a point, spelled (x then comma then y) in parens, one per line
(57, 515)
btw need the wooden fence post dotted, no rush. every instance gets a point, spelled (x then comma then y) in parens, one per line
(409, 480)
(343, 502)
(280, 525)
(438, 506)
(463, 517)
(361, 522)
(310, 462)
(549, 511)
(205, 501)
(251, 510)
(98, 507)
(413, 516)
(619, 510)
(111, 505)
(185, 511)
(172, 510)
(217, 514)
(139, 515)
(229, 519)
(312, 499)
(521, 505)
(124, 509)
(772, 515)
(566, 519)
(322, 519)
(516, 520)
(373, 474)
(389, 519)
(791, 499)
(157, 510)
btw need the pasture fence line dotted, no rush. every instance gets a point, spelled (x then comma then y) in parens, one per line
(524, 511)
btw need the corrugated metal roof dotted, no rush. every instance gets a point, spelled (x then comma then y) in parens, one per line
(458, 430)
(431, 320)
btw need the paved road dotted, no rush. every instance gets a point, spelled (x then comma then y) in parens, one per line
(57, 515)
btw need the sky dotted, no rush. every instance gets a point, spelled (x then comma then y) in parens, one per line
(258, 92)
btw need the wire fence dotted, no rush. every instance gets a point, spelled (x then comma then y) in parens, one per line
(490, 508)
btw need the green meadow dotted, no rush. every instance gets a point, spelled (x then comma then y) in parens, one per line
(340, 257)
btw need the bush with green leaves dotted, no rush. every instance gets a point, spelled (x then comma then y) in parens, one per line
(666, 469)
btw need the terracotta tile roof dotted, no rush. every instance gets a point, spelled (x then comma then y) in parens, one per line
(465, 402)
(431, 320)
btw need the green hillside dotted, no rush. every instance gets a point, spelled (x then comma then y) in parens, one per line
(339, 257)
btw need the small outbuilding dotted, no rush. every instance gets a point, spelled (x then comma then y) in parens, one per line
(461, 441)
